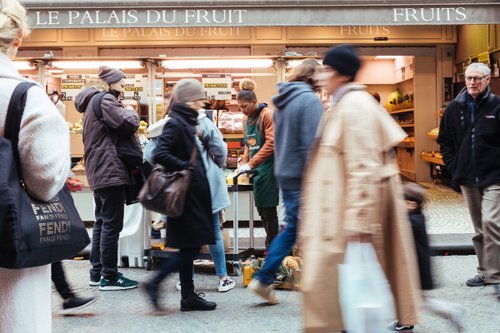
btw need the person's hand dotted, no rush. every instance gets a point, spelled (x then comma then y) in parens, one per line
(244, 168)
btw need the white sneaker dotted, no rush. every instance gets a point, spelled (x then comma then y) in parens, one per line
(178, 286)
(226, 285)
(266, 292)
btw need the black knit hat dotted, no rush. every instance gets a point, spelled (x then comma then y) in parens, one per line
(110, 75)
(344, 59)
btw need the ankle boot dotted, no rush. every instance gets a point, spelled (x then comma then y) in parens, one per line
(196, 302)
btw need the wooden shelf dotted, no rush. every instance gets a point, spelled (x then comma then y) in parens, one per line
(404, 80)
(432, 159)
(410, 174)
(432, 136)
(407, 125)
(401, 111)
(406, 145)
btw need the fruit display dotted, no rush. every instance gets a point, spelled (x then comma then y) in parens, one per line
(405, 122)
(79, 168)
(397, 101)
(76, 128)
(433, 154)
(433, 133)
(143, 126)
(74, 184)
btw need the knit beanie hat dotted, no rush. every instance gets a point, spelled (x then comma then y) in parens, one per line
(344, 59)
(110, 75)
(187, 90)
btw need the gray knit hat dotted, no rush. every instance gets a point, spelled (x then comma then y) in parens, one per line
(110, 75)
(187, 90)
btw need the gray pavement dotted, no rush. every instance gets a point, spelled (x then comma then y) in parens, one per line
(240, 311)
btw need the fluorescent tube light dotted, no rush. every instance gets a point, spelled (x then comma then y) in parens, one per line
(218, 63)
(23, 65)
(385, 57)
(94, 64)
(295, 62)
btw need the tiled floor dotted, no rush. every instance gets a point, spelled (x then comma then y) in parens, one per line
(446, 211)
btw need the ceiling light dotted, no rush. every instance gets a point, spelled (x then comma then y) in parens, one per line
(295, 62)
(95, 64)
(380, 57)
(23, 65)
(218, 63)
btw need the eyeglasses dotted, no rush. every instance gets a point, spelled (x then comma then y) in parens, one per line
(474, 78)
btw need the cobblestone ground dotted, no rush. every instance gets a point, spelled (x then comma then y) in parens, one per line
(240, 312)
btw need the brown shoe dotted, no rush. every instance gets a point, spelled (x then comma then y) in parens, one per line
(266, 292)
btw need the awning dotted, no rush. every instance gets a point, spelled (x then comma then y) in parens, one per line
(229, 13)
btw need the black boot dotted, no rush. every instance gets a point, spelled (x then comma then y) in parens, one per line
(151, 291)
(195, 302)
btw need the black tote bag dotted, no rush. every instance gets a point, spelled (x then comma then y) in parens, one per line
(32, 233)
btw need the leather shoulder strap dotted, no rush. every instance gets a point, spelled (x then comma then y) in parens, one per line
(96, 105)
(15, 113)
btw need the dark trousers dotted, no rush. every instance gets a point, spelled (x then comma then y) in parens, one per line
(109, 222)
(59, 280)
(182, 261)
(269, 217)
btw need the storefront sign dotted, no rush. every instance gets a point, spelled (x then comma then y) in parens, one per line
(217, 86)
(320, 15)
(71, 85)
(134, 87)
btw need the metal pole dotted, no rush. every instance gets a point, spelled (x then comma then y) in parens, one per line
(41, 73)
(250, 222)
(151, 66)
(235, 218)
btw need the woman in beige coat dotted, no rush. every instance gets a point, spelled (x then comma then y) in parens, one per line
(352, 191)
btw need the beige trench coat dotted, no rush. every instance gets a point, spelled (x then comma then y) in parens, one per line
(352, 183)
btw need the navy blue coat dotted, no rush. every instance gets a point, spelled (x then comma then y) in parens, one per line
(175, 145)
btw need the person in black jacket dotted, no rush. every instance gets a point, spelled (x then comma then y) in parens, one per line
(194, 227)
(469, 137)
(415, 196)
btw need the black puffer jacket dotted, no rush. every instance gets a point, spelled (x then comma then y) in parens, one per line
(102, 164)
(175, 145)
(471, 150)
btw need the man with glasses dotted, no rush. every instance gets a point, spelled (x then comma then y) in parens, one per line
(469, 137)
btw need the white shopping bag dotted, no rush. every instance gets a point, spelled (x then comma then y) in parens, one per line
(365, 295)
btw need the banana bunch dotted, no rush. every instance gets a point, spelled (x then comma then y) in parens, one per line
(143, 126)
(77, 128)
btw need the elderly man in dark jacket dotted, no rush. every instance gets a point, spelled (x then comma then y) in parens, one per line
(469, 137)
(107, 174)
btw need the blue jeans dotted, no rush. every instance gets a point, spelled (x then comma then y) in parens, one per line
(282, 245)
(217, 249)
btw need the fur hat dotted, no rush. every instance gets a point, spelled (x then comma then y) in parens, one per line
(344, 59)
(110, 75)
(188, 90)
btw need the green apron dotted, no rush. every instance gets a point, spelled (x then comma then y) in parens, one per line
(265, 186)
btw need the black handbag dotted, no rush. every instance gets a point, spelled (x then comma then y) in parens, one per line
(165, 191)
(128, 152)
(32, 233)
(138, 177)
